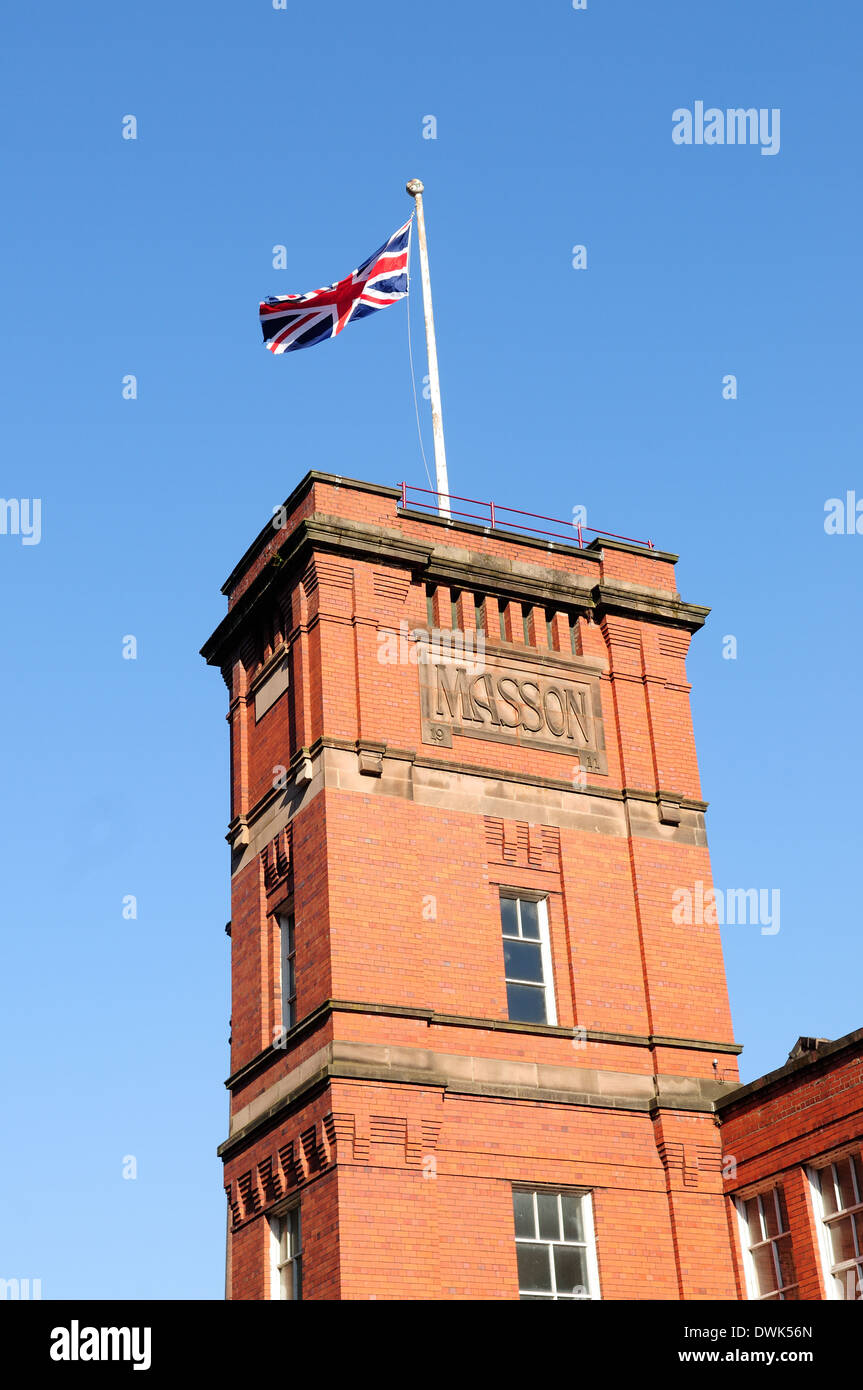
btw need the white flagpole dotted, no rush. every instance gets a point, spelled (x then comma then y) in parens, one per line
(415, 189)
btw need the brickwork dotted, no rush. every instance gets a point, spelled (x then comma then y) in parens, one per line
(779, 1131)
(404, 1104)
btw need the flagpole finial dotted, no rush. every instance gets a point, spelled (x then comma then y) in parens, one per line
(413, 187)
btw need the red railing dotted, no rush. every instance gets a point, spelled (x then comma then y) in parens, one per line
(491, 517)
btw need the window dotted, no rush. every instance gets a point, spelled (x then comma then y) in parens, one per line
(287, 1255)
(479, 609)
(525, 622)
(454, 596)
(768, 1257)
(555, 1246)
(527, 960)
(573, 633)
(549, 628)
(430, 593)
(839, 1190)
(289, 983)
(501, 610)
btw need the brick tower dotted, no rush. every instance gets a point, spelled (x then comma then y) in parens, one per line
(473, 1054)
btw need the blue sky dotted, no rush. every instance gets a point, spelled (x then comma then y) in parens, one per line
(600, 387)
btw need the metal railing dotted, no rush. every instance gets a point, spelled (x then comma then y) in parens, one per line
(491, 517)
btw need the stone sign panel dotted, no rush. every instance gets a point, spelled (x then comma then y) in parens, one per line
(501, 699)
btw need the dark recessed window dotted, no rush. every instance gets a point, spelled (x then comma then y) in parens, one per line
(288, 978)
(527, 960)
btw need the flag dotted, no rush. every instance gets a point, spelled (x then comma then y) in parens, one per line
(291, 321)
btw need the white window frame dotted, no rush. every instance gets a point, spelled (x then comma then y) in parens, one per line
(829, 1269)
(544, 950)
(749, 1271)
(285, 1257)
(588, 1245)
(287, 959)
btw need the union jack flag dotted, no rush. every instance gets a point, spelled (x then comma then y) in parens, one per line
(291, 321)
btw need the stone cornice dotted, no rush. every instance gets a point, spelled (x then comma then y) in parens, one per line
(502, 774)
(471, 1075)
(511, 580)
(319, 1016)
(633, 601)
(505, 578)
(291, 503)
(318, 532)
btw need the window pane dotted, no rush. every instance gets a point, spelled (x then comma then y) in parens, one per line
(827, 1193)
(753, 1221)
(783, 1211)
(771, 1221)
(534, 1271)
(765, 1270)
(573, 1219)
(522, 960)
(842, 1239)
(530, 919)
(508, 919)
(570, 1269)
(549, 1217)
(526, 1003)
(856, 1162)
(849, 1284)
(525, 1222)
(785, 1256)
(846, 1186)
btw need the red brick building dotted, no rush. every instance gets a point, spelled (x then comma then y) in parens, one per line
(793, 1146)
(473, 1056)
